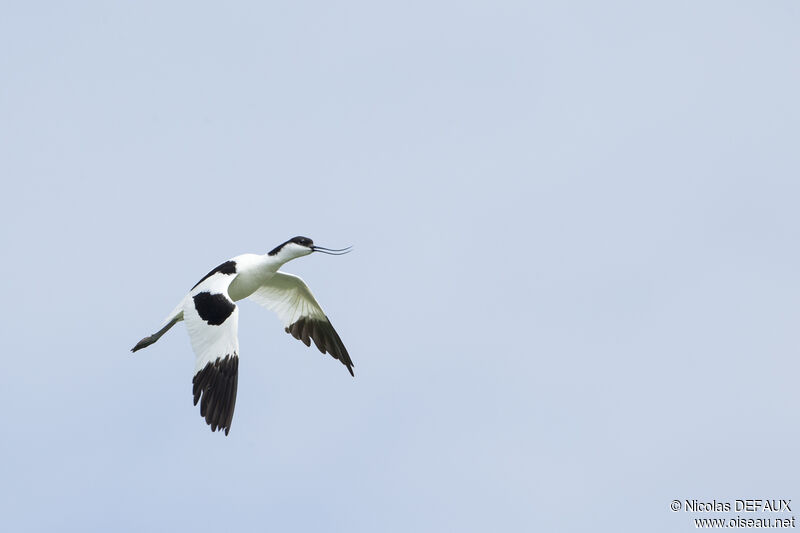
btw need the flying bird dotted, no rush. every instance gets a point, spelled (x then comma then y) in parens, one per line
(211, 318)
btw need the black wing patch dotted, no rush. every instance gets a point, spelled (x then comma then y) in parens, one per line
(213, 308)
(228, 267)
(324, 336)
(216, 383)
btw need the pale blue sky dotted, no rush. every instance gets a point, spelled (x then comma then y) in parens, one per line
(573, 295)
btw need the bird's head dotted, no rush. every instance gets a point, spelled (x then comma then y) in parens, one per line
(300, 246)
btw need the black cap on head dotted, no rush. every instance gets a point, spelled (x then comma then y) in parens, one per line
(302, 241)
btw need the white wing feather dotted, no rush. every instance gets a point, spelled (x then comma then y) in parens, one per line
(289, 297)
(210, 342)
(302, 316)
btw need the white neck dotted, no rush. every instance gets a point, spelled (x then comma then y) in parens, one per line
(252, 271)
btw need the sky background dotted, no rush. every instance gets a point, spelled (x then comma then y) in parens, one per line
(573, 294)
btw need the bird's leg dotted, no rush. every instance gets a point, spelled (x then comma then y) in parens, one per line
(147, 341)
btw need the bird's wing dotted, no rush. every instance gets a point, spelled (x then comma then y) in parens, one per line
(212, 322)
(291, 299)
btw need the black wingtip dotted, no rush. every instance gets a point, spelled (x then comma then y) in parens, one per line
(350, 368)
(215, 388)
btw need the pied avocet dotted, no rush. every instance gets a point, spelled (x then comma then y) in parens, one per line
(211, 318)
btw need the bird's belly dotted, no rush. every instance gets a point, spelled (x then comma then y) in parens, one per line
(246, 284)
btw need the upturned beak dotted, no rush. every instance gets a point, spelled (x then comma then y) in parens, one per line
(331, 251)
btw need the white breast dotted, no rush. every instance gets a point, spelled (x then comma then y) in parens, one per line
(251, 272)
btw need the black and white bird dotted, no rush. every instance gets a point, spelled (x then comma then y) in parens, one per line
(211, 318)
